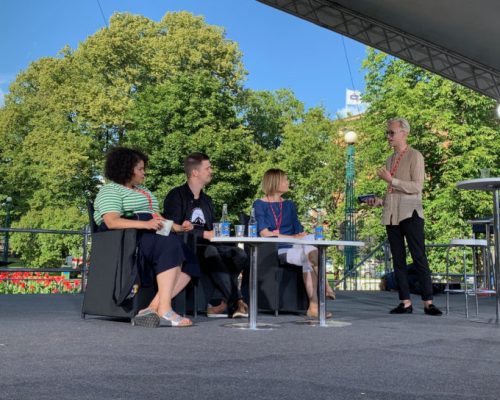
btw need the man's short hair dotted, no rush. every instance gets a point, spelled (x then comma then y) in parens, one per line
(404, 125)
(272, 180)
(193, 161)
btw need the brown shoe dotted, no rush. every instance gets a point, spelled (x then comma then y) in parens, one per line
(241, 311)
(219, 311)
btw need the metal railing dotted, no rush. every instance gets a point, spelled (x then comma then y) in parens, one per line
(368, 273)
(81, 268)
(362, 278)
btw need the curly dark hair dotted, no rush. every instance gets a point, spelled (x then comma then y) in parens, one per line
(120, 163)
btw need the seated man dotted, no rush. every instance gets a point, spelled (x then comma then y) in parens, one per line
(190, 207)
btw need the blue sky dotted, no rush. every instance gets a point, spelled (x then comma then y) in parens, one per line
(279, 50)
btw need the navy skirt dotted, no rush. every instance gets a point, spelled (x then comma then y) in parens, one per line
(161, 253)
(158, 253)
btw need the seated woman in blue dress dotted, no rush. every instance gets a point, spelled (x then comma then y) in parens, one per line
(278, 217)
(125, 203)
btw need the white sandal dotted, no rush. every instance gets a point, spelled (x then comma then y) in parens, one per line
(170, 318)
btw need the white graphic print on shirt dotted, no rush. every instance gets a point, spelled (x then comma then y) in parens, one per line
(197, 217)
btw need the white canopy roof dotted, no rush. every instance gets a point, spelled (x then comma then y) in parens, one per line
(452, 38)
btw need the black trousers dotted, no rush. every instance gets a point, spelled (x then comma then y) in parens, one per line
(221, 265)
(411, 229)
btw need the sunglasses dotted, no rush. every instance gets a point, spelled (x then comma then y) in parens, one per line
(390, 133)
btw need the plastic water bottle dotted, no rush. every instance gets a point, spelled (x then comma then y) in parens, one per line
(224, 222)
(318, 229)
(252, 225)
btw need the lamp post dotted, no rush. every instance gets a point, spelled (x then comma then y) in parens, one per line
(349, 219)
(8, 204)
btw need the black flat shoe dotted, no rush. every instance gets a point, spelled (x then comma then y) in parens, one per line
(432, 310)
(401, 309)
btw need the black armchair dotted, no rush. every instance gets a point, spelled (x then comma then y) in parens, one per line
(112, 274)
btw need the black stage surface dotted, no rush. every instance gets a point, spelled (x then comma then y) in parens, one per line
(48, 352)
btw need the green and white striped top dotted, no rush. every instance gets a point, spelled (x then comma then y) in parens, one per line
(113, 197)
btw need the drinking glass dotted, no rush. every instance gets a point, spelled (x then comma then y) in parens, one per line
(239, 230)
(217, 229)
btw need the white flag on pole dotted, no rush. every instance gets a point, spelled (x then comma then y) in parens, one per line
(352, 97)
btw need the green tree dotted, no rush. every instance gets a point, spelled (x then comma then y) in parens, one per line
(451, 125)
(63, 112)
(266, 113)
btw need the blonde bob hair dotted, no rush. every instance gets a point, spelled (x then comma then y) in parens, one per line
(272, 180)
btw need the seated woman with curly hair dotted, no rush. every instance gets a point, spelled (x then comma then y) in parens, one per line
(164, 257)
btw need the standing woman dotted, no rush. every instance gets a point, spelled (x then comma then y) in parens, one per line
(277, 217)
(164, 257)
(403, 215)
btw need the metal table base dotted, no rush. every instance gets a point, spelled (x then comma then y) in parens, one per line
(329, 323)
(257, 327)
(253, 243)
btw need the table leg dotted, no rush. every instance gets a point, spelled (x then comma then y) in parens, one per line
(496, 231)
(252, 315)
(322, 284)
(253, 308)
(322, 321)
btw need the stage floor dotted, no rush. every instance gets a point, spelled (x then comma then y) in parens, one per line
(48, 352)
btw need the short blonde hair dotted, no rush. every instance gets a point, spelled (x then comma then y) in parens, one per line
(272, 180)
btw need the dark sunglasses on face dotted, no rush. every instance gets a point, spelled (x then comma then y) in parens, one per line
(390, 133)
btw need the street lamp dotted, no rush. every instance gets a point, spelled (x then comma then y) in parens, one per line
(349, 218)
(8, 205)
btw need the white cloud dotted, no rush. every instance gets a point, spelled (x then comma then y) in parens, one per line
(351, 110)
(342, 113)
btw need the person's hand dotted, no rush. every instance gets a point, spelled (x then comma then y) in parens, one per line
(187, 226)
(300, 235)
(153, 224)
(375, 202)
(385, 175)
(208, 235)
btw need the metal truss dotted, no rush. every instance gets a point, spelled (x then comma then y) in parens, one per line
(393, 41)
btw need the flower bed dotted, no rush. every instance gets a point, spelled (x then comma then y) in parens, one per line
(36, 283)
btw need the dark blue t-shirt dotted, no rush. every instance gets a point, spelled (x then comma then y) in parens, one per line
(290, 224)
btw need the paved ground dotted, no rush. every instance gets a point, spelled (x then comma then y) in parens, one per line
(48, 352)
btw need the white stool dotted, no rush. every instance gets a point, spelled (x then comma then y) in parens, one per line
(472, 244)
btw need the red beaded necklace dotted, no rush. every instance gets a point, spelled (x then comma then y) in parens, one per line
(278, 219)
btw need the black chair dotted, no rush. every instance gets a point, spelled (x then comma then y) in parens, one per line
(112, 274)
(111, 277)
(280, 286)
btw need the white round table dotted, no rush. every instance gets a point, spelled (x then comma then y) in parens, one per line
(254, 244)
(490, 185)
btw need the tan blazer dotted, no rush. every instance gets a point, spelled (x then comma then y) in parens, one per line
(407, 186)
